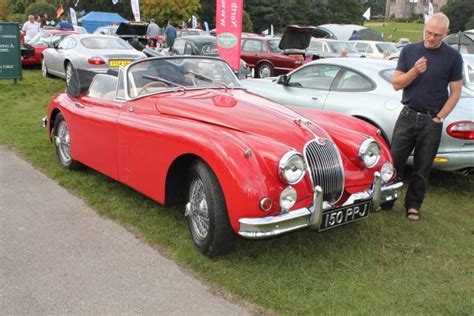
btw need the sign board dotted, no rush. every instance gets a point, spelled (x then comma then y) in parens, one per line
(10, 51)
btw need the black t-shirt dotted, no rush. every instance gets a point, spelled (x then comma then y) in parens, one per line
(429, 91)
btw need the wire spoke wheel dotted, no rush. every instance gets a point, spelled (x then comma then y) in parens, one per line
(198, 208)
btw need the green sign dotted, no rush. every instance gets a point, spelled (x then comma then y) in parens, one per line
(10, 51)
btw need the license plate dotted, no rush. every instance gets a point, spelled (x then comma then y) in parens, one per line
(343, 215)
(119, 63)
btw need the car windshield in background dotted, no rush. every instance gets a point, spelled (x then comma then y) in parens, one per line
(165, 74)
(40, 39)
(387, 75)
(210, 49)
(342, 46)
(381, 47)
(274, 45)
(105, 43)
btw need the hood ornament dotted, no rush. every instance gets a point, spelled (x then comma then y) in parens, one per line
(305, 124)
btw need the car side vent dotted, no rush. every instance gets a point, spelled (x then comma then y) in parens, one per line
(325, 168)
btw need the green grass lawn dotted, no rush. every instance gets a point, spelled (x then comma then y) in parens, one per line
(383, 265)
(393, 31)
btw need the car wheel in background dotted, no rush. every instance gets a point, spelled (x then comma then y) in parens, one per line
(44, 68)
(62, 143)
(69, 70)
(206, 212)
(264, 70)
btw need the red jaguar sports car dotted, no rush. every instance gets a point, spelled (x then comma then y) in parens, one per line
(44, 39)
(182, 130)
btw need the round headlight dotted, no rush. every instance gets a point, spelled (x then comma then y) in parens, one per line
(292, 167)
(386, 172)
(369, 152)
(287, 198)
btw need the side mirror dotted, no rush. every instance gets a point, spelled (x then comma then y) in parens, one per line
(283, 79)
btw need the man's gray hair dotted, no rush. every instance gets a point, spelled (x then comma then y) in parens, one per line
(441, 17)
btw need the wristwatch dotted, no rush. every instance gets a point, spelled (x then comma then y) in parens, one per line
(441, 119)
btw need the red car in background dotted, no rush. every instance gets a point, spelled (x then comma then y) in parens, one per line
(44, 39)
(271, 56)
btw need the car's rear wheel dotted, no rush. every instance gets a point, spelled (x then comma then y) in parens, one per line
(44, 68)
(62, 143)
(206, 212)
(265, 70)
(69, 70)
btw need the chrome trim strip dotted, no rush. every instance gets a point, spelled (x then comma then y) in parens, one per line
(270, 226)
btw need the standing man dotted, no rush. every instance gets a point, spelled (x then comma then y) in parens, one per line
(424, 72)
(30, 28)
(153, 31)
(170, 34)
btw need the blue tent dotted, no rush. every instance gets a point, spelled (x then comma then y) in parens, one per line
(93, 20)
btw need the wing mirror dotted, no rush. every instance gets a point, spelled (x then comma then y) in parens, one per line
(283, 79)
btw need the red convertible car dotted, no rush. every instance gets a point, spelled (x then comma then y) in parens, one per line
(182, 130)
(44, 39)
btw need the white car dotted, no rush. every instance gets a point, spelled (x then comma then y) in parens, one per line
(377, 50)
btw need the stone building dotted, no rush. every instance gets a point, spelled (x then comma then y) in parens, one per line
(401, 9)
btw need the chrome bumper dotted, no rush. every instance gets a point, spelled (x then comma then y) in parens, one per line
(264, 227)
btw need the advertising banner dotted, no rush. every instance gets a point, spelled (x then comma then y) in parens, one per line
(136, 10)
(229, 30)
(10, 51)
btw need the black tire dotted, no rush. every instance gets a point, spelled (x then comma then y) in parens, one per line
(388, 206)
(265, 70)
(68, 72)
(44, 69)
(62, 144)
(206, 212)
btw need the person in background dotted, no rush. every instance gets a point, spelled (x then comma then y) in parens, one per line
(30, 28)
(153, 31)
(424, 71)
(64, 24)
(355, 36)
(170, 34)
(39, 22)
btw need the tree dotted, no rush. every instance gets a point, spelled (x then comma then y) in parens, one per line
(40, 8)
(346, 11)
(247, 25)
(207, 13)
(459, 13)
(174, 10)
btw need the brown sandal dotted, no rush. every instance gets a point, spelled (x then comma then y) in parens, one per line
(413, 214)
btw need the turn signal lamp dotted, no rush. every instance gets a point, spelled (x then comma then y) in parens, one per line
(266, 204)
(96, 61)
(441, 159)
(461, 129)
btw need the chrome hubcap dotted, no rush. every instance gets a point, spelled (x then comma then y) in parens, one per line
(264, 72)
(68, 73)
(197, 209)
(43, 68)
(62, 142)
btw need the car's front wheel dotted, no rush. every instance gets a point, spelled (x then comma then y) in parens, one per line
(265, 70)
(44, 68)
(69, 72)
(62, 143)
(206, 212)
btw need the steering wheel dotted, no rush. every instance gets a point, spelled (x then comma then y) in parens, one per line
(156, 84)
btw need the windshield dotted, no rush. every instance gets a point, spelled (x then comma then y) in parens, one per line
(342, 46)
(102, 42)
(178, 73)
(381, 47)
(40, 39)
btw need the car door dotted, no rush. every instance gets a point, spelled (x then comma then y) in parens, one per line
(251, 51)
(55, 63)
(309, 86)
(93, 127)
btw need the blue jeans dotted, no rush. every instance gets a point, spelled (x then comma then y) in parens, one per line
(417, 131)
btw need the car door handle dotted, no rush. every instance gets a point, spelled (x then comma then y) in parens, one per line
(78, 105)
(315, 98)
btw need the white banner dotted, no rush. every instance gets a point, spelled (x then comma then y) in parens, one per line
(72, 13)
(136, 10)
(366, 15)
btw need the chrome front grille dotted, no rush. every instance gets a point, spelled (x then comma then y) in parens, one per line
(325, 168)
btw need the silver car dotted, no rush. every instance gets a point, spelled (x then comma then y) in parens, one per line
(362, 88)
(96, 53)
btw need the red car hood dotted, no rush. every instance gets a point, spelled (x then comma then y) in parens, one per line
(240, 111)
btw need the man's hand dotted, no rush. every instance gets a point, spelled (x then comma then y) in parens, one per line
(420, 65)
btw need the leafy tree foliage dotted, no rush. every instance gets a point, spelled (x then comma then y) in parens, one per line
(207, 13)
(40, 8)
(346, 11)
(459, 13)
(247, 25)
(174, 10)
